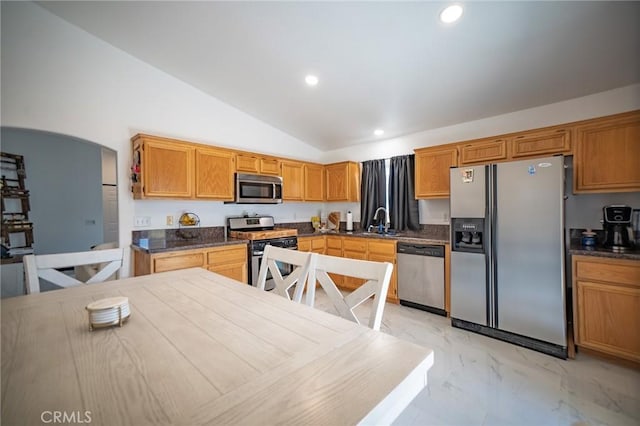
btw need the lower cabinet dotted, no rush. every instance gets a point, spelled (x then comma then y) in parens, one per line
(228, 260)
(607, 306)
(355, 248)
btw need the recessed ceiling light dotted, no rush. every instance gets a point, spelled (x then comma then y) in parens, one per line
(311, 80)
(451, 14)
(378, 132)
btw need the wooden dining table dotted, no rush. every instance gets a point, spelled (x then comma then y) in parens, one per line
(199, 348)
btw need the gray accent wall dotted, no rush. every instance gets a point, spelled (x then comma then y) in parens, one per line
(64, 177)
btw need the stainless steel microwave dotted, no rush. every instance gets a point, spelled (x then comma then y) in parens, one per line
(258, 189)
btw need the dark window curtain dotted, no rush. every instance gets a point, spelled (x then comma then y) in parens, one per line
(402, 201)
(373, 191)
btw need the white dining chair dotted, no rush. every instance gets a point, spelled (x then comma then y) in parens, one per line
(377, 276)
(297, 262)
(85, 272)
(46, 266)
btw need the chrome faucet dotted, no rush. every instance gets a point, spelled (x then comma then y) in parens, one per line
(375, 217)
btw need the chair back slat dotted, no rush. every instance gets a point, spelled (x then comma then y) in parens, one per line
(45, 266)
(301, 261)
(377, 276)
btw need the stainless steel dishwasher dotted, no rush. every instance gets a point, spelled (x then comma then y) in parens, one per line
(421, 276)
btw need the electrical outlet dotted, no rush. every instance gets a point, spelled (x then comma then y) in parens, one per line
(169, 220)
(141, 221)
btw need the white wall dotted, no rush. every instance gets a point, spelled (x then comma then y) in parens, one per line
(57, 77)
(437, 211)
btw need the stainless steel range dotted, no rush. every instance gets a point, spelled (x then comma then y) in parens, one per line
(261, 231)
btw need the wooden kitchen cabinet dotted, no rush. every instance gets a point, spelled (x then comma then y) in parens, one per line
(483, 151)
(166, 168)
(432, 170)
(292, 180)
(228, 260)
(343, 181)
(606, 154)
(214, 174)
(353, 248)
(548, 141)
(258, 164)
(334, 248)
(162, 168)
(606, 306)
(385, 251)
(313, 182)
(315, 244)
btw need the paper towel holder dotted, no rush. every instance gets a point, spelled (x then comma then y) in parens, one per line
(349, 221)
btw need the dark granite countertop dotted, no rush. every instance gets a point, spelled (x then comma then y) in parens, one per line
(599, 251)
(404, 236)
(163, 245)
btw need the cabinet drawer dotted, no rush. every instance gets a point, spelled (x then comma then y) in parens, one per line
(383, 247)
(618, 272)
(355, 244)
(226, 255)
(236, 271)
(178, 261)
(317, 244)
(304, 244)
(334, 243)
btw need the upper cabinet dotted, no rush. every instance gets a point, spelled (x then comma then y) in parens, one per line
(162, 168)
(606, 154)
(313, 182)
(166, 168)
(214, 174)
(432, 170)
(548, 141)
(254, 163)
(483, 151)
(343, 181)
(292, 180)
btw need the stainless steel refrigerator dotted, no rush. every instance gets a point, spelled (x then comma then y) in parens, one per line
(507, 252)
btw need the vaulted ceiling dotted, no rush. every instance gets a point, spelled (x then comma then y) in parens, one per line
(387, 65)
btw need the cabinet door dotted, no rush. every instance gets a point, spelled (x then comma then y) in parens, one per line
(313, 182)
(292, 181)
(167, 169)
(230, 261)
(483, 151)
(247, 163)
(543, 142)
(270, 166)
(214, 174)
(236, 271)
(432, 171)
(392, 293)
(343, 182)
(350, 282)
(304, 243)
(608, 318)
(606, 155)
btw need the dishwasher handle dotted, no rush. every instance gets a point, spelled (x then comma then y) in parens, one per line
(421, 249)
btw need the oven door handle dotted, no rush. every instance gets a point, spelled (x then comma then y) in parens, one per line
(257, 253)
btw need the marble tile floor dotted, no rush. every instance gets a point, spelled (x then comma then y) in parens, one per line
(477, 380)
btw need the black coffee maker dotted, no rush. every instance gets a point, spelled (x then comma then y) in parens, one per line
(617, 227)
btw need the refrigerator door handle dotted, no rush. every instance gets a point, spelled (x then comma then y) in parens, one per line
(491, 256)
